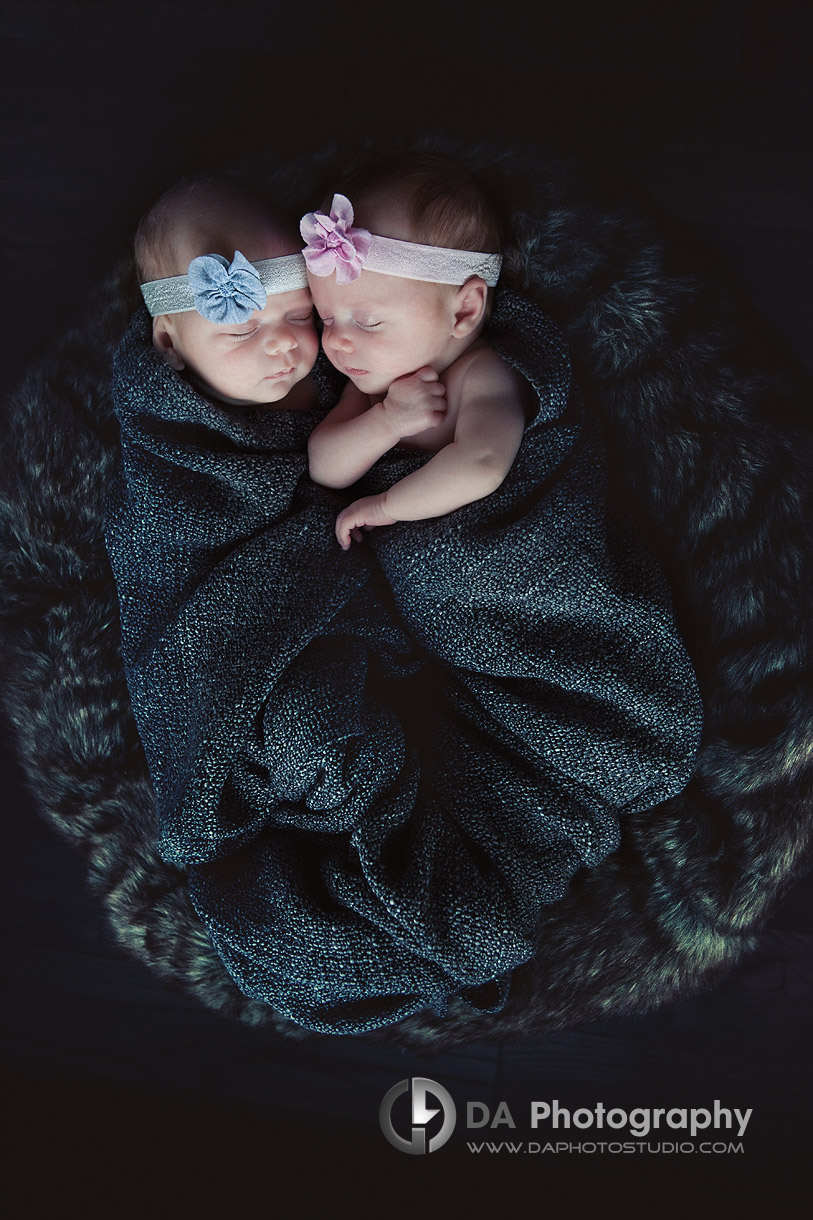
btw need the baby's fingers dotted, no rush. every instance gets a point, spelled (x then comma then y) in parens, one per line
(344, 529)
(427, 373)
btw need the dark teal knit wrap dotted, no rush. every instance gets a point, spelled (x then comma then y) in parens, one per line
(379, 766)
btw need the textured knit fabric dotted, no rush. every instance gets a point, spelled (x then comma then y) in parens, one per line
(709, 430)
(378, 766)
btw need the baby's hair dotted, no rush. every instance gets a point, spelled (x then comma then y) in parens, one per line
(445, 204)
(219, 210)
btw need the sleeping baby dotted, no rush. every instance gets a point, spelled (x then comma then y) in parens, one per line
(223, 279)
(403, 318)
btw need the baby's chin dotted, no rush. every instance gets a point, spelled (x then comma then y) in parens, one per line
(275, 391)
(370, 383)
(268, 391)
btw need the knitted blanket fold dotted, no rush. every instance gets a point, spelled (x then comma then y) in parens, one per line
(377, 767)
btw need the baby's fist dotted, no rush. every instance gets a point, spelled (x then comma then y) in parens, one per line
(361, 515)
(416, 402)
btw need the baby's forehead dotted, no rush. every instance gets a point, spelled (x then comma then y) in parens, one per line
(374, 292)
(369, 286)
(278, 307)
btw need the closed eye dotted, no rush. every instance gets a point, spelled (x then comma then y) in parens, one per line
(243, 334)
(367, 325)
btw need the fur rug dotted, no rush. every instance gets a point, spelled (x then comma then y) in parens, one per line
(705, 412)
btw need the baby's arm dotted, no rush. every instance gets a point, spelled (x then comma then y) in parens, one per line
(488, 432)
(354, 435)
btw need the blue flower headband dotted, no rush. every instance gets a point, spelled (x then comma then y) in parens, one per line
(225, 292)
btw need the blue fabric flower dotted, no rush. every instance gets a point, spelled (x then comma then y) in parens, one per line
(225, 293)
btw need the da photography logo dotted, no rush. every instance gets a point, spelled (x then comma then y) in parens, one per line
(421, 1113)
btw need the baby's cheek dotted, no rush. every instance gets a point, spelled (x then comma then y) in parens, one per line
(310, 346)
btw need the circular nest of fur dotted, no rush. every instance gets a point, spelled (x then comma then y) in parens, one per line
(705, 415)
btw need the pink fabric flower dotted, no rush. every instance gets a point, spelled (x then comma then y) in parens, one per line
(333, 244)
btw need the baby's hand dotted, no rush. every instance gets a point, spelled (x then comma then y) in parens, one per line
(415, 403)
(364, 514)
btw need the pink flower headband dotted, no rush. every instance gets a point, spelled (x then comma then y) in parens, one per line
(333, 244)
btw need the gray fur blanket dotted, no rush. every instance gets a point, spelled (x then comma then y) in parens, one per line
(372, 818)
(709, 438)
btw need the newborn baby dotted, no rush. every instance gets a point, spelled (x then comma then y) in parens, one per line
(222, 276)
(403, 307)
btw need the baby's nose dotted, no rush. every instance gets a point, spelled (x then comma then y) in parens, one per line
(281, 341)
(340, 339)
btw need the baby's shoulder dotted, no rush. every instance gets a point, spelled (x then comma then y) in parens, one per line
(487, 375)
(480, 356)
(478, 362)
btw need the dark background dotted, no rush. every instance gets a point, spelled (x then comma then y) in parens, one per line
(116, 1083)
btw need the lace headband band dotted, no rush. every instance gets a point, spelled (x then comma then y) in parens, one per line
(332, 243)
(223, 292)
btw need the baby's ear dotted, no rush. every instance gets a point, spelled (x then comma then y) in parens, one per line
(163, 338)
(470, 306)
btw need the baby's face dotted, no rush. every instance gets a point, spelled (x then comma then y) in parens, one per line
(252, 363)
(381, 327)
